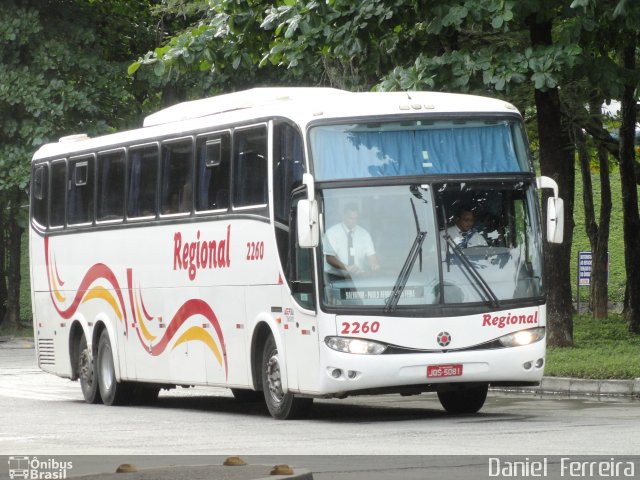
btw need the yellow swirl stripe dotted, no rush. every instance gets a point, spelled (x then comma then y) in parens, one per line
(145, 332)
(103, 294)
(198, 333)
(61, 298)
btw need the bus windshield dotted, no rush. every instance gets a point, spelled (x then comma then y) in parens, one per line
(389, 247)
(418, 147)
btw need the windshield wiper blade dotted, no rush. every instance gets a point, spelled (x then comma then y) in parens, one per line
(490, 297)
(405, 273)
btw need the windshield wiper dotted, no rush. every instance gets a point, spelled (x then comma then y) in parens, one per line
(405, 272)
(490, 297)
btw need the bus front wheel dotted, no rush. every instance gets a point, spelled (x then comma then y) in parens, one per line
(282, 406)
(111, 391)
(87, 372)
(464, 400)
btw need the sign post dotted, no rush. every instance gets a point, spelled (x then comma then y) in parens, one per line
(585, 261)
(584, 274)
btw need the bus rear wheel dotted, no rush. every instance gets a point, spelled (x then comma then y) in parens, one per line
(111, 391)
(464, 400)
(282, 406)
(87, 372)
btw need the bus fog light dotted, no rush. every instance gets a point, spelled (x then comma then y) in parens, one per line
(527, 365)
(522, 337)
(539, 363)
(355, 345)
(352, 374)
(336, 373)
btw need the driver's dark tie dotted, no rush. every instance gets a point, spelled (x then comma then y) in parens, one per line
(350, 259)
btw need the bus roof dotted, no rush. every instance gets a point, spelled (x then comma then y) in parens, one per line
(300, 104)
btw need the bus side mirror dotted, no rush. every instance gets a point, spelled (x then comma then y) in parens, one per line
(307, 220)
(555, 220)
(555, 210)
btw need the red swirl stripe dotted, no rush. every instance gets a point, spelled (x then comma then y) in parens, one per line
(190, 308)
(96, 272)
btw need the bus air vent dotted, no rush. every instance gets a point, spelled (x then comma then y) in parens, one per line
(46, 352)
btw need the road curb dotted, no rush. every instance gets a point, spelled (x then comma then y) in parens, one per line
(581, 386)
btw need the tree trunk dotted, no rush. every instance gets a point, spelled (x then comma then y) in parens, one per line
(590, 225)
(3, 256)
(598, 234)
(600, 271)
(556, 161)
(12, 315)
(629, 191)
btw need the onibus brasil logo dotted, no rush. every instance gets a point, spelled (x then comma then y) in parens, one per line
(33, 468)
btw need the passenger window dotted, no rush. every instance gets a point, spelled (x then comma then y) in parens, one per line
(250, 167)
(80, 197)
(143, 181)
(213, 160)
(58, 193)
(111, 169)
(39, 190)
(177, 179)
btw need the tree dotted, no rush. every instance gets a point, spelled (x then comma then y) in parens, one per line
(524, 51)
(62, 71)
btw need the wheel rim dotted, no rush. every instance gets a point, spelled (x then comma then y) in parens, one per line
(274, 381)
(106, 368)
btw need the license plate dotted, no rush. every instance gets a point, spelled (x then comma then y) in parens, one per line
(439, 371)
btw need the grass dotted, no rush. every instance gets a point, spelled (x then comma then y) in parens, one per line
(21, 332)
(602, 349)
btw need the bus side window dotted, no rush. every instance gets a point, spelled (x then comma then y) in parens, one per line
(250, 173)
(143, 176)
(58, 193)
(288, 168)
(110, 188)
(213, 157)
(40, 190)
(177, 180)
(80, 196)
(300, 271)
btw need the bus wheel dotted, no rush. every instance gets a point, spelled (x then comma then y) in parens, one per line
(247, 396)
(283, 406)
(464, 400)
(112, 392)
(87, 373)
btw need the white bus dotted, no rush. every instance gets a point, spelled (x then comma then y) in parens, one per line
(199, 250)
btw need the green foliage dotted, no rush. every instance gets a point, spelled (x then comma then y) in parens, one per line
(58, 76)
(602, 349)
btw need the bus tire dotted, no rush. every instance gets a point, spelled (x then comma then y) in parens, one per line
(86, 363)
(465, 400)
(244, 395)
(111, 391)
(282, 406)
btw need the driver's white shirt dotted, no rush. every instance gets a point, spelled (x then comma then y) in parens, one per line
(457, 235)
(336, 243)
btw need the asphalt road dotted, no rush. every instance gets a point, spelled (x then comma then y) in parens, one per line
(41, 414)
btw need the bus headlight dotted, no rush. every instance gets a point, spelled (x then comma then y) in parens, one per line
(355, 345)
(522, 337)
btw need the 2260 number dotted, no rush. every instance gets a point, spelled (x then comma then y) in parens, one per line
(255, 250)
(353, 328)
